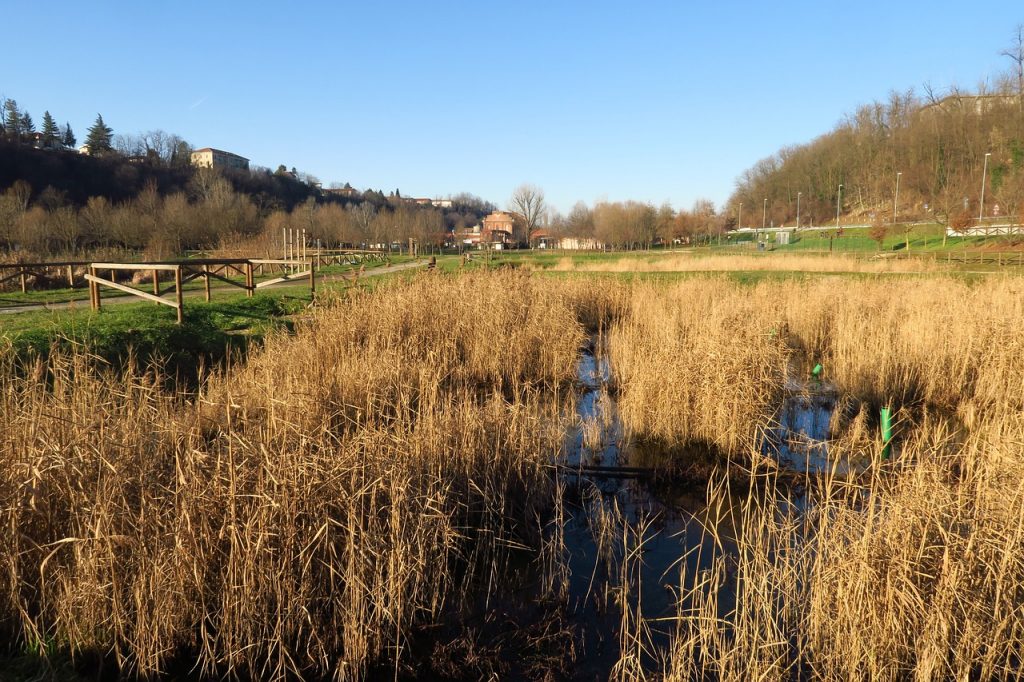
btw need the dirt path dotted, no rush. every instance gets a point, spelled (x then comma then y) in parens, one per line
(117, 298)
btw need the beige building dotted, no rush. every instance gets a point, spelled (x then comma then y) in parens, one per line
(215, 158)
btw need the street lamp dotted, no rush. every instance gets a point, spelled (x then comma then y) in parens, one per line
(839, 201)
(739, 218)
(798, 209)
(896, 198)
(764, 213)
(981, 208)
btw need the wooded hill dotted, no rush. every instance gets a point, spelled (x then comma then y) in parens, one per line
(936, 142)
(116, 178)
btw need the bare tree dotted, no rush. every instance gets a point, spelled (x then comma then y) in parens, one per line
(1016, 55)
(528, 201)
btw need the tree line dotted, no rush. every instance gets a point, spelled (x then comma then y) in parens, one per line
(640, 225)
(209, 213)
(941, 147)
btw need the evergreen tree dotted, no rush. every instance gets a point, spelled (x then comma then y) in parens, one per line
(12, 119)
(51, 133)
(27, 126)
(98, 139)
(69, 137)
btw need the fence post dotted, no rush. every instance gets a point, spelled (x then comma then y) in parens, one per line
(206, 282)
(71, 277)
(97, 295)
(177, 291)
(248, 280)
(312, 281)
(156, 284)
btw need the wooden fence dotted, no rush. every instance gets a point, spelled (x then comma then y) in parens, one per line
(64, 270)
(186, 271)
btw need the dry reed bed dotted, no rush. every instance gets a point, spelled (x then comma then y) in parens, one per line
(915, 569)
(707, 359)
(796, 262)
(698, 361)
(310, 505)
(916, 573)
(305, 509)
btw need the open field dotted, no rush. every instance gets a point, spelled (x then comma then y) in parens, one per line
(385, 486)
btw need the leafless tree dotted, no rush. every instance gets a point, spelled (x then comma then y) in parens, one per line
(1016, 54)
(528, 201)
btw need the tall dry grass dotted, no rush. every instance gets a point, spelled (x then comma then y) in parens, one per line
(306, 509)
(909, 569)
(301, 513)
(698, 361)
(703, 262)
(915, 572)
(708, 359)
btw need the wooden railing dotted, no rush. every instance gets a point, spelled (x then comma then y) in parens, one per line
(185, 271)
(40, 271)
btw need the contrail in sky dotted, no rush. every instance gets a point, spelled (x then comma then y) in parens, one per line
(197, 103)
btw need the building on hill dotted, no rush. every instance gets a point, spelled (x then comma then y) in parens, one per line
(978, 104)
(346, 191)
(208, 157)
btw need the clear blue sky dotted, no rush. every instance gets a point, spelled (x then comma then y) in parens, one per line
(589, 100)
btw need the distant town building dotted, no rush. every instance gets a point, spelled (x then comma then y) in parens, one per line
(979, 104)
(216, 158)
(343, 191)
(498, 227)
(441, 203)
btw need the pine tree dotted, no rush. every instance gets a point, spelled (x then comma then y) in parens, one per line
(12, 119)
(69, 137)
(51, 133)
(27, 126)
(98, 139)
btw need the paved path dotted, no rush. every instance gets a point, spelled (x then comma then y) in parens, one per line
(115, 299)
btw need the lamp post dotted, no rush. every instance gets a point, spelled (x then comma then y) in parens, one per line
(798, 209)
(839, 201)
(764, 214)
(739, 217)
(895, 201)
(981, 208)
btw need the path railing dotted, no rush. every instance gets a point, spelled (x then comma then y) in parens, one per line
(186, 271)
(40, 271)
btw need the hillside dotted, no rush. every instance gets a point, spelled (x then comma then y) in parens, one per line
(936, 145)
(77, 177)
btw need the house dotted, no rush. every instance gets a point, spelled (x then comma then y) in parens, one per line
(542, 239)
(207, 157)
(345, 191)
(441, 203)
(499, 227)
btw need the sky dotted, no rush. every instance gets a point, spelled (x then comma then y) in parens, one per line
(652, 101)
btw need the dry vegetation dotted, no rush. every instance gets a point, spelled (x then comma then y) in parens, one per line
(697, 262)
(307, 508)
(911, 569)
(302, 511)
